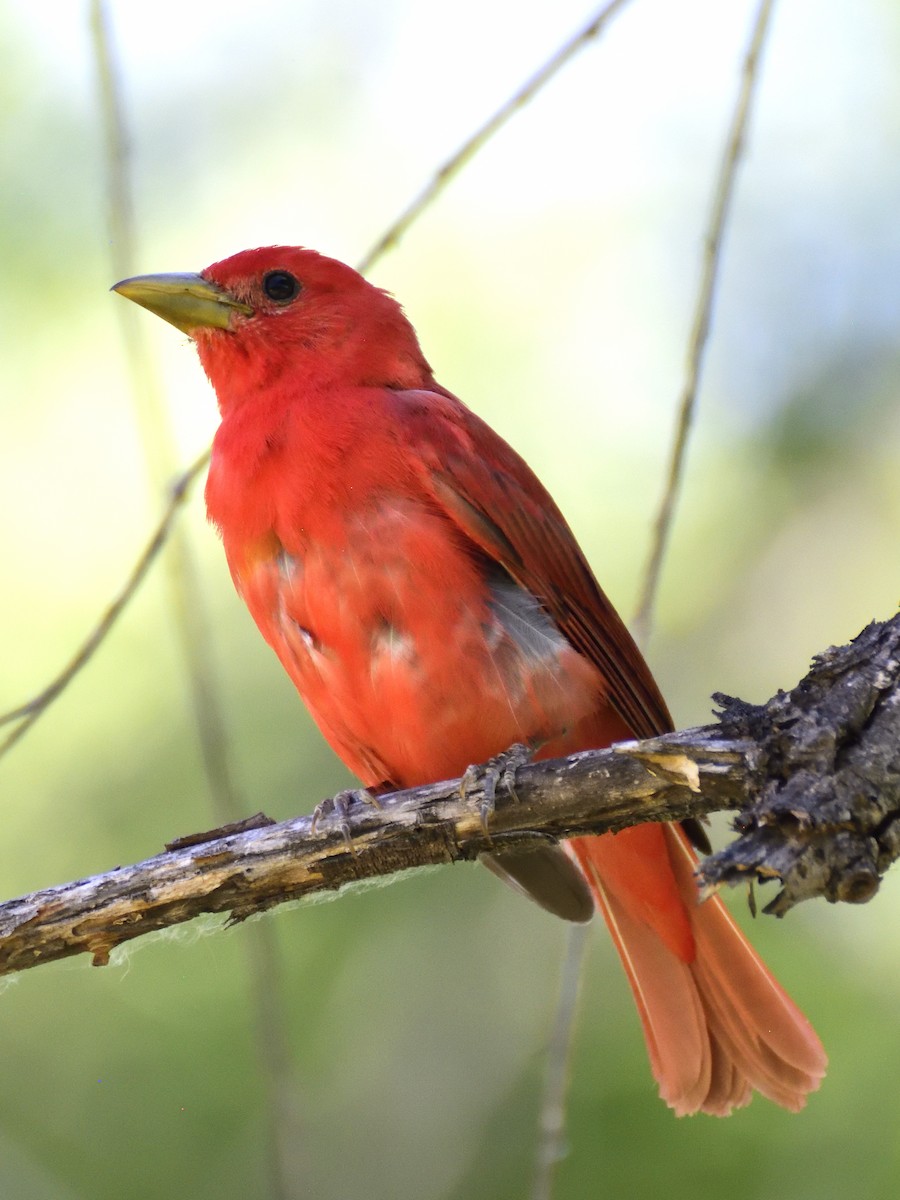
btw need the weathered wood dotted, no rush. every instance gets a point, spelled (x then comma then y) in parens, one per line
(815, 774)
(826, 817)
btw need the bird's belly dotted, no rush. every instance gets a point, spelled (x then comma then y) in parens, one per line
(414, 657)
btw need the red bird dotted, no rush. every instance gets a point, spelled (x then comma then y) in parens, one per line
(432, 607)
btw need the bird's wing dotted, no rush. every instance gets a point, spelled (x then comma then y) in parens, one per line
(495, 499)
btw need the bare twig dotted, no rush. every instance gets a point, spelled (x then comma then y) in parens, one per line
(26, 714)
(554, 1098)
(146, 394)
(157, 439)
(470, 147)
(188, 610)
(816, 773)
(712, 255)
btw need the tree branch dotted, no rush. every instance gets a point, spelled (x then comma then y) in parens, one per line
(814, 774)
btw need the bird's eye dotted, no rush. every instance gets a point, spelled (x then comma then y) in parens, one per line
(281, 286)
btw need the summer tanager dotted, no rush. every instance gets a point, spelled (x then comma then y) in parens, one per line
(432, 607)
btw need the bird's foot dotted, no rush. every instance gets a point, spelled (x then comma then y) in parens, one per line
(341, 806)
(499, 771)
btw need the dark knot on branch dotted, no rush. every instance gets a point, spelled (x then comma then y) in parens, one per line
(825, 819)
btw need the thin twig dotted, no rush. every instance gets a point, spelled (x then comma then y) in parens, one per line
(26, 714)
(470, 147)
(551, 1146)
(156, 433)
(288, 1149)
(699, 335)
(186, 601)
(156, 437)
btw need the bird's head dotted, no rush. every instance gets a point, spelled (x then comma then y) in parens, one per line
(282, 311)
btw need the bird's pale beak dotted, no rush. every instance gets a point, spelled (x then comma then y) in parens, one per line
(188, 302)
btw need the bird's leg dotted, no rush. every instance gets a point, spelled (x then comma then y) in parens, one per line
(341, 805)
(499, 770)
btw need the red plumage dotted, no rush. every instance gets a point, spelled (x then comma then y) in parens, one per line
(432, 606)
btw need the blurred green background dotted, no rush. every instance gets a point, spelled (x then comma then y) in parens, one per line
(551, 287)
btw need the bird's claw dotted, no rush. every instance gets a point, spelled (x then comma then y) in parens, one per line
(501, 770)
(341, 805)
